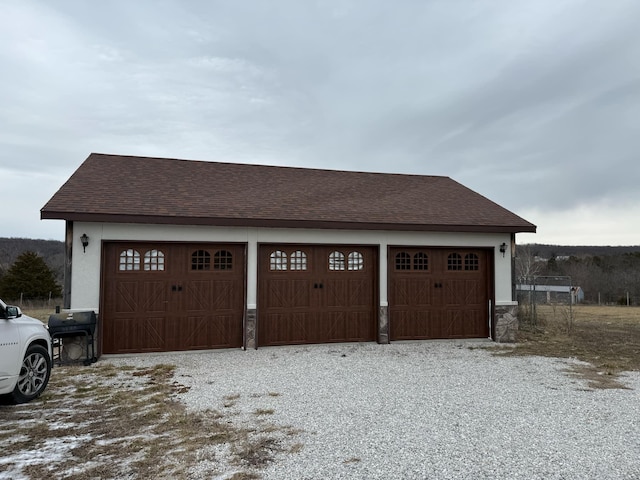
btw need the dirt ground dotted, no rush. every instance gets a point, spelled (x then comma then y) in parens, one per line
(104, 421)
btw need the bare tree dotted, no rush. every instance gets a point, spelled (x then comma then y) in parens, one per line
(526, 265)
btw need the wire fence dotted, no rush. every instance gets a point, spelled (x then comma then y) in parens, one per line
(547, 298)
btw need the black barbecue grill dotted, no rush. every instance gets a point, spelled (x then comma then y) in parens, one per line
(72, 329)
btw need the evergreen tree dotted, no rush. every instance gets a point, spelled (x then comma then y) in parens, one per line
(29, 276)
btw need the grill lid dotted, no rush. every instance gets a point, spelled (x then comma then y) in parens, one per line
(72, 322)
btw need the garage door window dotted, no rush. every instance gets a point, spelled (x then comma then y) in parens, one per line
(153, 260)
(403, 261)
(278, 260)
(421, 261)
(454, 261)
(129, 260)
(298, 260)
(222, 260)
(200, 260)
(471, 262)
(336, 261)
(355, 261)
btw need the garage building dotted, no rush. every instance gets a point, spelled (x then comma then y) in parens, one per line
(186, 255)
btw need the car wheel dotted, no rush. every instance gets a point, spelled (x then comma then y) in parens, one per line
(34, 374)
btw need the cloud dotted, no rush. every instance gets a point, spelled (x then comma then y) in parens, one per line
(604, 222)
(530, 103)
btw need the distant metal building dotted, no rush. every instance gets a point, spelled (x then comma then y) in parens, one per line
(550, 293)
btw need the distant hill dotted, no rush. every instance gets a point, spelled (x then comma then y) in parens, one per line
(548, 251)
(52, 251)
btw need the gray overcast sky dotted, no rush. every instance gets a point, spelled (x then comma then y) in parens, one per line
(534, 104)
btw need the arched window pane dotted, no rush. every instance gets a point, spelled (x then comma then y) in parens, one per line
(355, 261)
(129, 260)
(278, 260)
(454, 262)
(471, 262)
(222, 260)
(153, 260)
(336, 261)
(403, 261)
(421, 261)
(298, 260)
(200, 260)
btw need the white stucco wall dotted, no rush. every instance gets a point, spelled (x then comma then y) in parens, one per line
(85, 279)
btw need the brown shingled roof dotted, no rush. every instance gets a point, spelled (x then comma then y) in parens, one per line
(125, 189)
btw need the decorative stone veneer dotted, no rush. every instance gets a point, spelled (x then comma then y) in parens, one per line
(506, 323)
(383, 325)
(250, 329)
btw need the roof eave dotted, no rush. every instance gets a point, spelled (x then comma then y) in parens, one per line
(281, 223)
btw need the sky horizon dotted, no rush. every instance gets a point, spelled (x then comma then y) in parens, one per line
(534, 105)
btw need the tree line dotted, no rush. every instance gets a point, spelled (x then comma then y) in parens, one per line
(608, 278)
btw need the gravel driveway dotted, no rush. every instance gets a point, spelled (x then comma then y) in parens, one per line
(441, 410)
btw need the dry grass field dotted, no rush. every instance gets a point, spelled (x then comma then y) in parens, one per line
(40, 311)
(607, 337)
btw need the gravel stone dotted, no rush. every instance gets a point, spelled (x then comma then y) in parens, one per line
(419, 410)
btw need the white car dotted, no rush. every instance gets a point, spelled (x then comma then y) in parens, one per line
(25, 355)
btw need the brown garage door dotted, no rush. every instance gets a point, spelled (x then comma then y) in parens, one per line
(438, 293)
(167, 297)
(316, 294)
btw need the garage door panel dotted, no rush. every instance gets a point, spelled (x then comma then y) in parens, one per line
(400, 292)
(333, 287)
(221, 332)
(285, 294)
(288, 329)
(182, 296)
(360, 293)
(126, 297)
(475, 323)
(413, 325)
(438, 293)
(194, 332)
(347, 294)
(200, 296)
(154, 295)
(421, 292)
(136, 334)
(463, 293)
(453, 324)
(336, 293)
(335, 326)
(152, 335)
(340, 326)
(205, 332)
(225, 294)
(359, 326)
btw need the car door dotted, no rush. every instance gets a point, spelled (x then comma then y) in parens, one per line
(9, 353)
